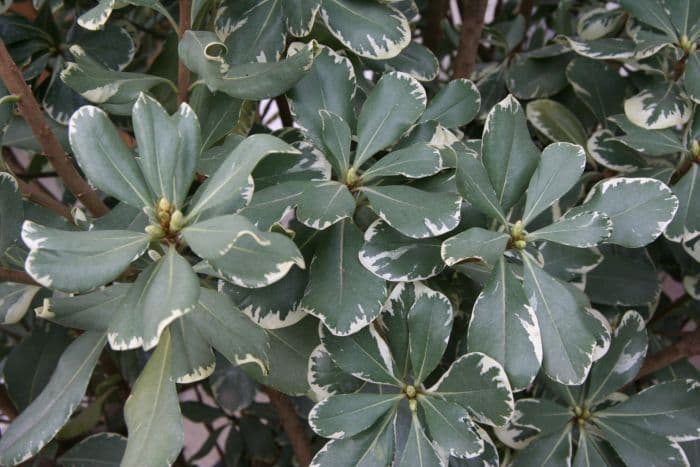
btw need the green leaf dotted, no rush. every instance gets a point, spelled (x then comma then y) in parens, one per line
(560, 167)
(556, 122)
(598, 85)
(474, 184)
(621, 363)
(609, 151)
(652, 13)
(168, 148)
(582, 230)
(229, 331)
(270, 204)
(535, 417)
(637, 446)
(657, 107)
(192, 358)
(203, 53)
(15, 300)
(456, 104)
(530, 77)
(614, 48)
(336, 139)
(685, 225)
(397, 258)
(323, 204)
(599, 22)
(419, 450)
(79, 261)
(504, 326)
(508, 153)
(413, 212)
(341, 292)
(345, 415)
(329, 85)
(105, 449)
(639, 208)
(326, 378)
(570, 330)
(416, 161)
(478, 383)
(647, 142)
(591, 452)
(113, 46)
(691, 77)
(45, 416)
(241, 253)
(372, 30)
(152, 413)
(11, 211)
(451, 427)
(416, 59)
(105, 159)
(220, 192)
(566, 262)
(96, 17)
(474, 245)
(393, 105)
(300, 15)
(164, 291)
(552, 450)
(429, 327)
(364, 355)
(91, 312)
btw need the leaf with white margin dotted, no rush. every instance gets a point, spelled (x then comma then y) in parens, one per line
(397, 258)
(164, 291)
(685, 16)
(105, 159)
(203, 53)
(96, 17)
(691, 77)
(416, 59)
(79, 261)
(567, 262)
(591, 452)
(556, 122)
(336, 139)
(569, 331)
(429, 327)
(639, 446)
(669, 409)
(300, 16)
(450, 427)
(599, 22)
(552, 450)
(598, 85)
(532, 418)
(640, 208)
(168, 147)
(364, 355)
(560, 167)
(329, 85)
(686, 223)
(456, 104)
(538, 74)
(416, 161)
(394, 326)
(372, 30)
(192, 358)
(413, 212)
(647, 142)
(582, 230)
(508, 154)
(659, 106)
(341, 292)
(269, 205)
(652, 13)
(322, 204)
(15, 300)
(474, 245)
(393, 105)
(229, 331)
(219, 192)
(91, 312)
(45, 416)
(609, 48)
(419, 450)
(473, 183)
(368, 449)
(621, 363)
(608, 151)
(11, 211)
(326, 378)
(345, 415)
(105, 449)
(152, 412)
(479, 384)
(504, 326)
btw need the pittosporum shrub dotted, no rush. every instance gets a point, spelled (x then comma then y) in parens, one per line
(350, 232)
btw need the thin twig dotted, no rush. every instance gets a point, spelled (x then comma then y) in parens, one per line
(31, 111)
(183, 74)
(292, 425)
(284, 112)
(472, 25)
(437, 10)
(13, 275)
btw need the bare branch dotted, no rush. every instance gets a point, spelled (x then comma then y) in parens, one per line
(472, 25)
(183, 74)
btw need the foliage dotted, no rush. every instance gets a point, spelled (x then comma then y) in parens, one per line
(435, 265)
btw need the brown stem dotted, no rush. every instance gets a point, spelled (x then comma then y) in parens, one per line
(7, 408)
(526, 9)
(292, 425)
(183, 74)
(284, 111)
(62, 163)
(682, 300)
(472, 25)
(437, 10)
(679, 68)
(685, 347)
(13, 275)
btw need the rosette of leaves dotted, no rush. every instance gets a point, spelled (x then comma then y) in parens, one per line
(606, 427)
(542, 320)
(391, 414)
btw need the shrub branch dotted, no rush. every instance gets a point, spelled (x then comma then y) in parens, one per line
(183, 74)
(472, 25)
(292, 425)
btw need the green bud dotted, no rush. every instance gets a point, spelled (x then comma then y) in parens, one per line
(411, 392)
(177, 221)
(155, 231)
(520, 244)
